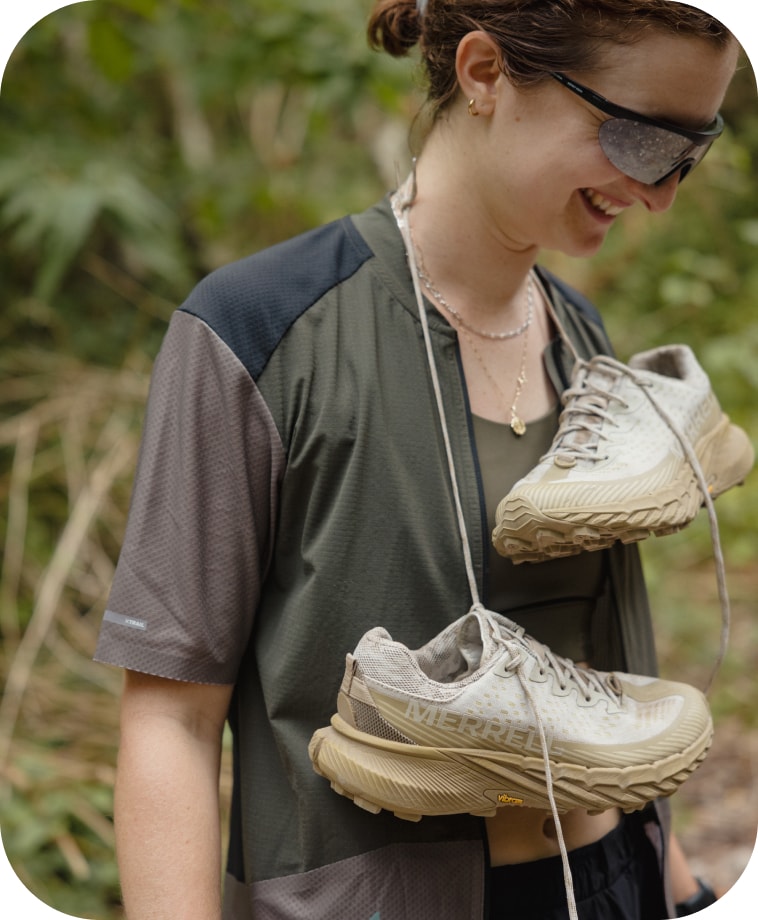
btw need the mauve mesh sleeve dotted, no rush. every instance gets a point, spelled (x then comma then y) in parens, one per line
(201, 519)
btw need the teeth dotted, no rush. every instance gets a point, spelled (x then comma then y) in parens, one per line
(601, 203)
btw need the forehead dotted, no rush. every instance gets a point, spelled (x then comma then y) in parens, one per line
(682, 79)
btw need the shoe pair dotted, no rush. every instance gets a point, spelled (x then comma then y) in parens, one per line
(483, 715)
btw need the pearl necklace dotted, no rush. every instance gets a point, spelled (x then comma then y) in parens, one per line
(482, 333)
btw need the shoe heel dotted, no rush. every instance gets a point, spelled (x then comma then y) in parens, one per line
(730, 460)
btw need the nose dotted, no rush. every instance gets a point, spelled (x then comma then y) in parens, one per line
(657, 198)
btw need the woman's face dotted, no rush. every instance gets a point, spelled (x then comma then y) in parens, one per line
(559, 190)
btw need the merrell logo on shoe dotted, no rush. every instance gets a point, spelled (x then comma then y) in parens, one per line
(495, 733)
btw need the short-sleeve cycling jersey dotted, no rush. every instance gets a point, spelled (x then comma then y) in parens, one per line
(291, 493)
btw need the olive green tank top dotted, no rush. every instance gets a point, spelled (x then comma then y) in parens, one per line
(553, 600)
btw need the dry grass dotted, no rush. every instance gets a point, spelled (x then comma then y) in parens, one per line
(71, 436)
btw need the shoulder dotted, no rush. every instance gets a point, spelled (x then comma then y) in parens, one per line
(251, 303)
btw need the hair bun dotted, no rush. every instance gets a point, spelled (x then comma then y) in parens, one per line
(395, 25)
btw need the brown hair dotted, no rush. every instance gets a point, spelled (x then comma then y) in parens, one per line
(535, 36)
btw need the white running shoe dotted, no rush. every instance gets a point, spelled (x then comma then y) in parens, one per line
(623, 464)
(484, 716)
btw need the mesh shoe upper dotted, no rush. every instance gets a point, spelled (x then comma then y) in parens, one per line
(461, 690)
(620, 464)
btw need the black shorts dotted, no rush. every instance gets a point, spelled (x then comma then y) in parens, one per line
(617, 878)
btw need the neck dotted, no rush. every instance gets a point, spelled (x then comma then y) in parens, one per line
(474, 265)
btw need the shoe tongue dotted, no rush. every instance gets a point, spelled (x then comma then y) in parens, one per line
(476, 641)
(470, 645)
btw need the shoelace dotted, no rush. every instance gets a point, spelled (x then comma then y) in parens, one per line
(517, 663)
(521, 647)
(401, 203)
(587, 681)
(588, 413)
(586, 406)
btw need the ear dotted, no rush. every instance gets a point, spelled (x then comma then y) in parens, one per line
(478, 68)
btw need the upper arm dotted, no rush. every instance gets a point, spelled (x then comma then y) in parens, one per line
(200, 709)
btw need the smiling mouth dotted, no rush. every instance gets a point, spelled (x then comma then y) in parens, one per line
(600, 203)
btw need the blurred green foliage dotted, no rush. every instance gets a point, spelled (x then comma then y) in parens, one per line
(143, 143)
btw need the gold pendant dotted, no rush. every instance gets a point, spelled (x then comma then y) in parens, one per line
(518, 426)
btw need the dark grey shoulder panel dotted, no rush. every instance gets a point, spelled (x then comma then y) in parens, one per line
(251, 303)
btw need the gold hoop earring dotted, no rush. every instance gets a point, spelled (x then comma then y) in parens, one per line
(471, 110)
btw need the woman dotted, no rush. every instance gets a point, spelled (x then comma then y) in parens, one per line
(293, 489)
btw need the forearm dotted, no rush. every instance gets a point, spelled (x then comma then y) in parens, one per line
(167, 817)
(683, 882)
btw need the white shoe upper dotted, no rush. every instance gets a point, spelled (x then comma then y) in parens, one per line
(462, 690)
(610, 429)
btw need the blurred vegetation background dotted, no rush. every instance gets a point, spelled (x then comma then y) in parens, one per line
(143, 143)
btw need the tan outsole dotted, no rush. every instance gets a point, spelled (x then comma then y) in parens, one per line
(412, 781)
(525, 533)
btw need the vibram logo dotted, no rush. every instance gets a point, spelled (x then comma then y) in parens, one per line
(504, 799)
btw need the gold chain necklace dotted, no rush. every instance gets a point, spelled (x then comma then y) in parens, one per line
(482, 333)
(518, 425)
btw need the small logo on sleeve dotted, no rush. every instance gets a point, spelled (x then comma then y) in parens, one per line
(121, 620)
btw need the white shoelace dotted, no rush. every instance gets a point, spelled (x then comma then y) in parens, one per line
(594, 402)
(585, 407)
(401, 203)
(587, 681)
(517, 664)
(589, 412)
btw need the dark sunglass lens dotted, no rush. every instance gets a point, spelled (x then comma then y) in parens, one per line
(685, 170)
(644, 152)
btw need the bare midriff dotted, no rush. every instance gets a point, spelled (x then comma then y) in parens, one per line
(519, 835)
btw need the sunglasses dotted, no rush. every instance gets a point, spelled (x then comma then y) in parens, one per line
(646, 149)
